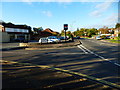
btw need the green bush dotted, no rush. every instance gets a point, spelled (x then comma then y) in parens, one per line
(119, 35)
(118, 38)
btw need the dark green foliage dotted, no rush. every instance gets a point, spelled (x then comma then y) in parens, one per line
(117, 25)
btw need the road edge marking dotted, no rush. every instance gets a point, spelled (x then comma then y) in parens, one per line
(99, 56)
(82, 49)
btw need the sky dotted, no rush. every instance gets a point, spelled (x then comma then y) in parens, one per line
(54, 13)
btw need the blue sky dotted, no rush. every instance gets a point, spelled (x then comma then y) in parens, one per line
(54, 14)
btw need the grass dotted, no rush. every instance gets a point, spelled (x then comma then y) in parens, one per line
(113, 40)
(116, 40)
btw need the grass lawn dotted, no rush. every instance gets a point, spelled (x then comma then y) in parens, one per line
(113, 40)
(109, 40)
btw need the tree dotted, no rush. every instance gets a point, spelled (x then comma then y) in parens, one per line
(40, 29)
(62, 32)
(104, 30)
(79, 32)
(85, 32)
(117, 25)
(68, 33)
(77, 29)
(91, 32)
(37, 30)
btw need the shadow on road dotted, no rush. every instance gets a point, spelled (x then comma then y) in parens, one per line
(32, 77)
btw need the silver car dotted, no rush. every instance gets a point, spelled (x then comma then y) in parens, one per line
(98, 37)
(52, 39)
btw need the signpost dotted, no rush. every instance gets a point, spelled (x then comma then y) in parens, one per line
(65, 28)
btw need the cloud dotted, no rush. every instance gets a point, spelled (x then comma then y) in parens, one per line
(95, 13)
(112, 19)
(104, 6)
(47, 13)
(100, 8)
(109, 21)
(28, 1)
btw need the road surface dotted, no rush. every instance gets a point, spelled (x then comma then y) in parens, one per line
(93, 58)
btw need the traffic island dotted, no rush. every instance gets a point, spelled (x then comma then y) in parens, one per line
(31, 46)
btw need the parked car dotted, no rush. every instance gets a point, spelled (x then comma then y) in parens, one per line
(43, 40)
(98, 38)
(52, 39)
(63, 38)
(103, 36)
(108, 37)
(78, 37)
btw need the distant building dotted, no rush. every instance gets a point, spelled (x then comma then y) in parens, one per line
(49, 32)
(11, 32)
(45, 33)
(116, 32)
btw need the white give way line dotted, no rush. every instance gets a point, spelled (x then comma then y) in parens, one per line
(85, 50)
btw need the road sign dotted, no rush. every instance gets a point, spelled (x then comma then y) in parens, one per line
(65, 26)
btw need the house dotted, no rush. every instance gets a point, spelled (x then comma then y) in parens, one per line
(45, 33)
(116, 32)
(10, 32)
(48, 32)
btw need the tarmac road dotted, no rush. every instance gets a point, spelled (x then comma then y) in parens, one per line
(92, 58)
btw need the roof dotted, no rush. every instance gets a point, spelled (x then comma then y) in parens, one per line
(11, 25)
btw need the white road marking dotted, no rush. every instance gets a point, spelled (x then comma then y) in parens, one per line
(82, 49)
(96, 54)
(117, 64)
